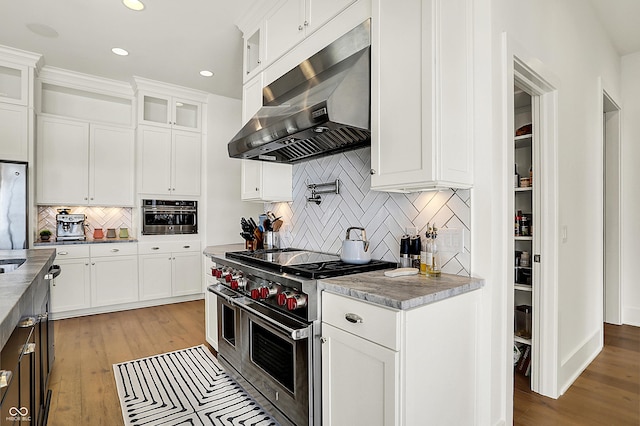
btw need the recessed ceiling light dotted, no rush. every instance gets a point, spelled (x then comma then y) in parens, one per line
(119, 51)
(42, 30)
(206, 73)
(133, 4)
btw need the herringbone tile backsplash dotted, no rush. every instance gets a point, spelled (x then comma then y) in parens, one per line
(385, 216)
(97, 217)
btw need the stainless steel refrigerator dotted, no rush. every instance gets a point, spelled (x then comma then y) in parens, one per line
(13, 205)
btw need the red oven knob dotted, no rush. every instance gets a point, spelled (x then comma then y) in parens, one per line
(217, 272)
(234, 284)
(266, 292)
(228, 278)
(296, 302)
(281, 298)
(255, 294)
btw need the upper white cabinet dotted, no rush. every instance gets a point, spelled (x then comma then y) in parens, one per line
(290, 21)
(169, 111)
(262, 181)
(253, 52)
(15, 80)
(83, 164)
(422, 95)
(14, 134)
(169, 161)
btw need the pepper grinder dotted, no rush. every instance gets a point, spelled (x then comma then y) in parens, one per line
(405, 261)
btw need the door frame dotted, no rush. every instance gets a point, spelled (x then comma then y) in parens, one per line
(612, 181)
(542, 84)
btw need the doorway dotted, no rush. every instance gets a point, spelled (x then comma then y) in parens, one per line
(612, 299)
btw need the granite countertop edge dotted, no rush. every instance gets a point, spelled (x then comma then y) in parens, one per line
(220, 249)
(17, 289)
(401, 293)
(40, 243)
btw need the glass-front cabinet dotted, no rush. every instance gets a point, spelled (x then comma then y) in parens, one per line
(169, 111)
(14, 80)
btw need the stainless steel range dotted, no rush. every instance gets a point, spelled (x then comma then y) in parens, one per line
(269, 324)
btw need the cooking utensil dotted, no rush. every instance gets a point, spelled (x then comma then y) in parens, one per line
(355, 251)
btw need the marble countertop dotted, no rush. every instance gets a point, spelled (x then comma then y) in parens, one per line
(404, 292)
(16, 290)
(89, 240)
(223, 248)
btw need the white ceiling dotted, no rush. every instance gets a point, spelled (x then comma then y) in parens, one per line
(621, 19)
(173, 40)
(170, 40)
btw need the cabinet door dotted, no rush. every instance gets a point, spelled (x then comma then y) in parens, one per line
(155, 276)
(187, 154)
(154, 109)
(186, 114)
(284, 28)
(319, 12)
(14, 83)
(13, 133)
(155, 160)
(253, 54)
(111, 171)
(187, 273)
(114, 280)
(251, 98)
(62, 162)
(251, 180)
(211, 317)
(71, 289)
(360, 380)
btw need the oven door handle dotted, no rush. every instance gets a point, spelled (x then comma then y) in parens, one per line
(221, 291)
(294, 333)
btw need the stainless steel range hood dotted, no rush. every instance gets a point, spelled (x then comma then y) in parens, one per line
(321, 107)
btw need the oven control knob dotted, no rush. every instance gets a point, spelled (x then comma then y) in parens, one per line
(267, 292)
(281, 298)
(217, 272)
(234, 284)
(255, 294)
(296, 302)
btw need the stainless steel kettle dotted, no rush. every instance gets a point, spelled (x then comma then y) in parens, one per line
(355, 251)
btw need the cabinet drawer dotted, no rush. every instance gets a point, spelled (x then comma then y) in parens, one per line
(185, 246)
(72, 251)
(113, 249)
(154, 248)
(378, 324)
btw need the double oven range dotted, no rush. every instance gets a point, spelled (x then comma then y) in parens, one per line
(268, 309)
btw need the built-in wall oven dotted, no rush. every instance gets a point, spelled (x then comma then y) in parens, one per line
(167, 217)
(268, 310)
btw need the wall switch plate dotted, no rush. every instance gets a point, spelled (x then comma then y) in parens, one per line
(450, 240)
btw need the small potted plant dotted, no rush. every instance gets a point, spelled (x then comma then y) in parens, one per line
(45, 234)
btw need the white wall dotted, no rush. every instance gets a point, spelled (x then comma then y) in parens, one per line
(566, 37)
(630, 194)
(222, 174)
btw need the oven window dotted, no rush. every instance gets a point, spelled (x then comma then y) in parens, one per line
(273, 354)
(229, 324)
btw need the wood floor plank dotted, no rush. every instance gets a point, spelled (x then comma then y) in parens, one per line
(606, 393)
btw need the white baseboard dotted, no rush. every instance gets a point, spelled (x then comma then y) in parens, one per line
(631, 316)
(125, 306)
(574, 364)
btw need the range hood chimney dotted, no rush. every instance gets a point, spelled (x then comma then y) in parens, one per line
(319, 108)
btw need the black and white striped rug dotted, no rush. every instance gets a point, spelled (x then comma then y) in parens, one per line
(185, 387)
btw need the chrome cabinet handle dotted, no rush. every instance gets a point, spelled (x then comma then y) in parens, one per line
(155, 248)
(186, 247)
(115, 250)
(306, 23)
(29, 348)
(323, 340)
(5, 378)
(353, 318)
(299, 29)
(63, 253)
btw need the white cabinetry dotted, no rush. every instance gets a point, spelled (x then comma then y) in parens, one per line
(76, 163)
(170, 161)
(262, 181)
(169, 111)
(382, 366)
(290, 21)
(210, 305)
(421, 134)
(114, 274)
(71, 289)
(14, 135)
(169, 269)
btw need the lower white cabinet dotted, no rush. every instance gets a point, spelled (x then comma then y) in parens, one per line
(382, 366)
(94, 275)
(114, 274)
(71, 289)
(169, 269)
(211, 315)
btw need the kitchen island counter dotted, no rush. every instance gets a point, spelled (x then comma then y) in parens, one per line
(405, 292)
(17, 291)
(210, 251)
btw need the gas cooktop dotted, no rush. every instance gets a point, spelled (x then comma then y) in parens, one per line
(305, 263)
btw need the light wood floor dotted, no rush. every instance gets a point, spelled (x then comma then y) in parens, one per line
(84, 390)
(607, 392)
